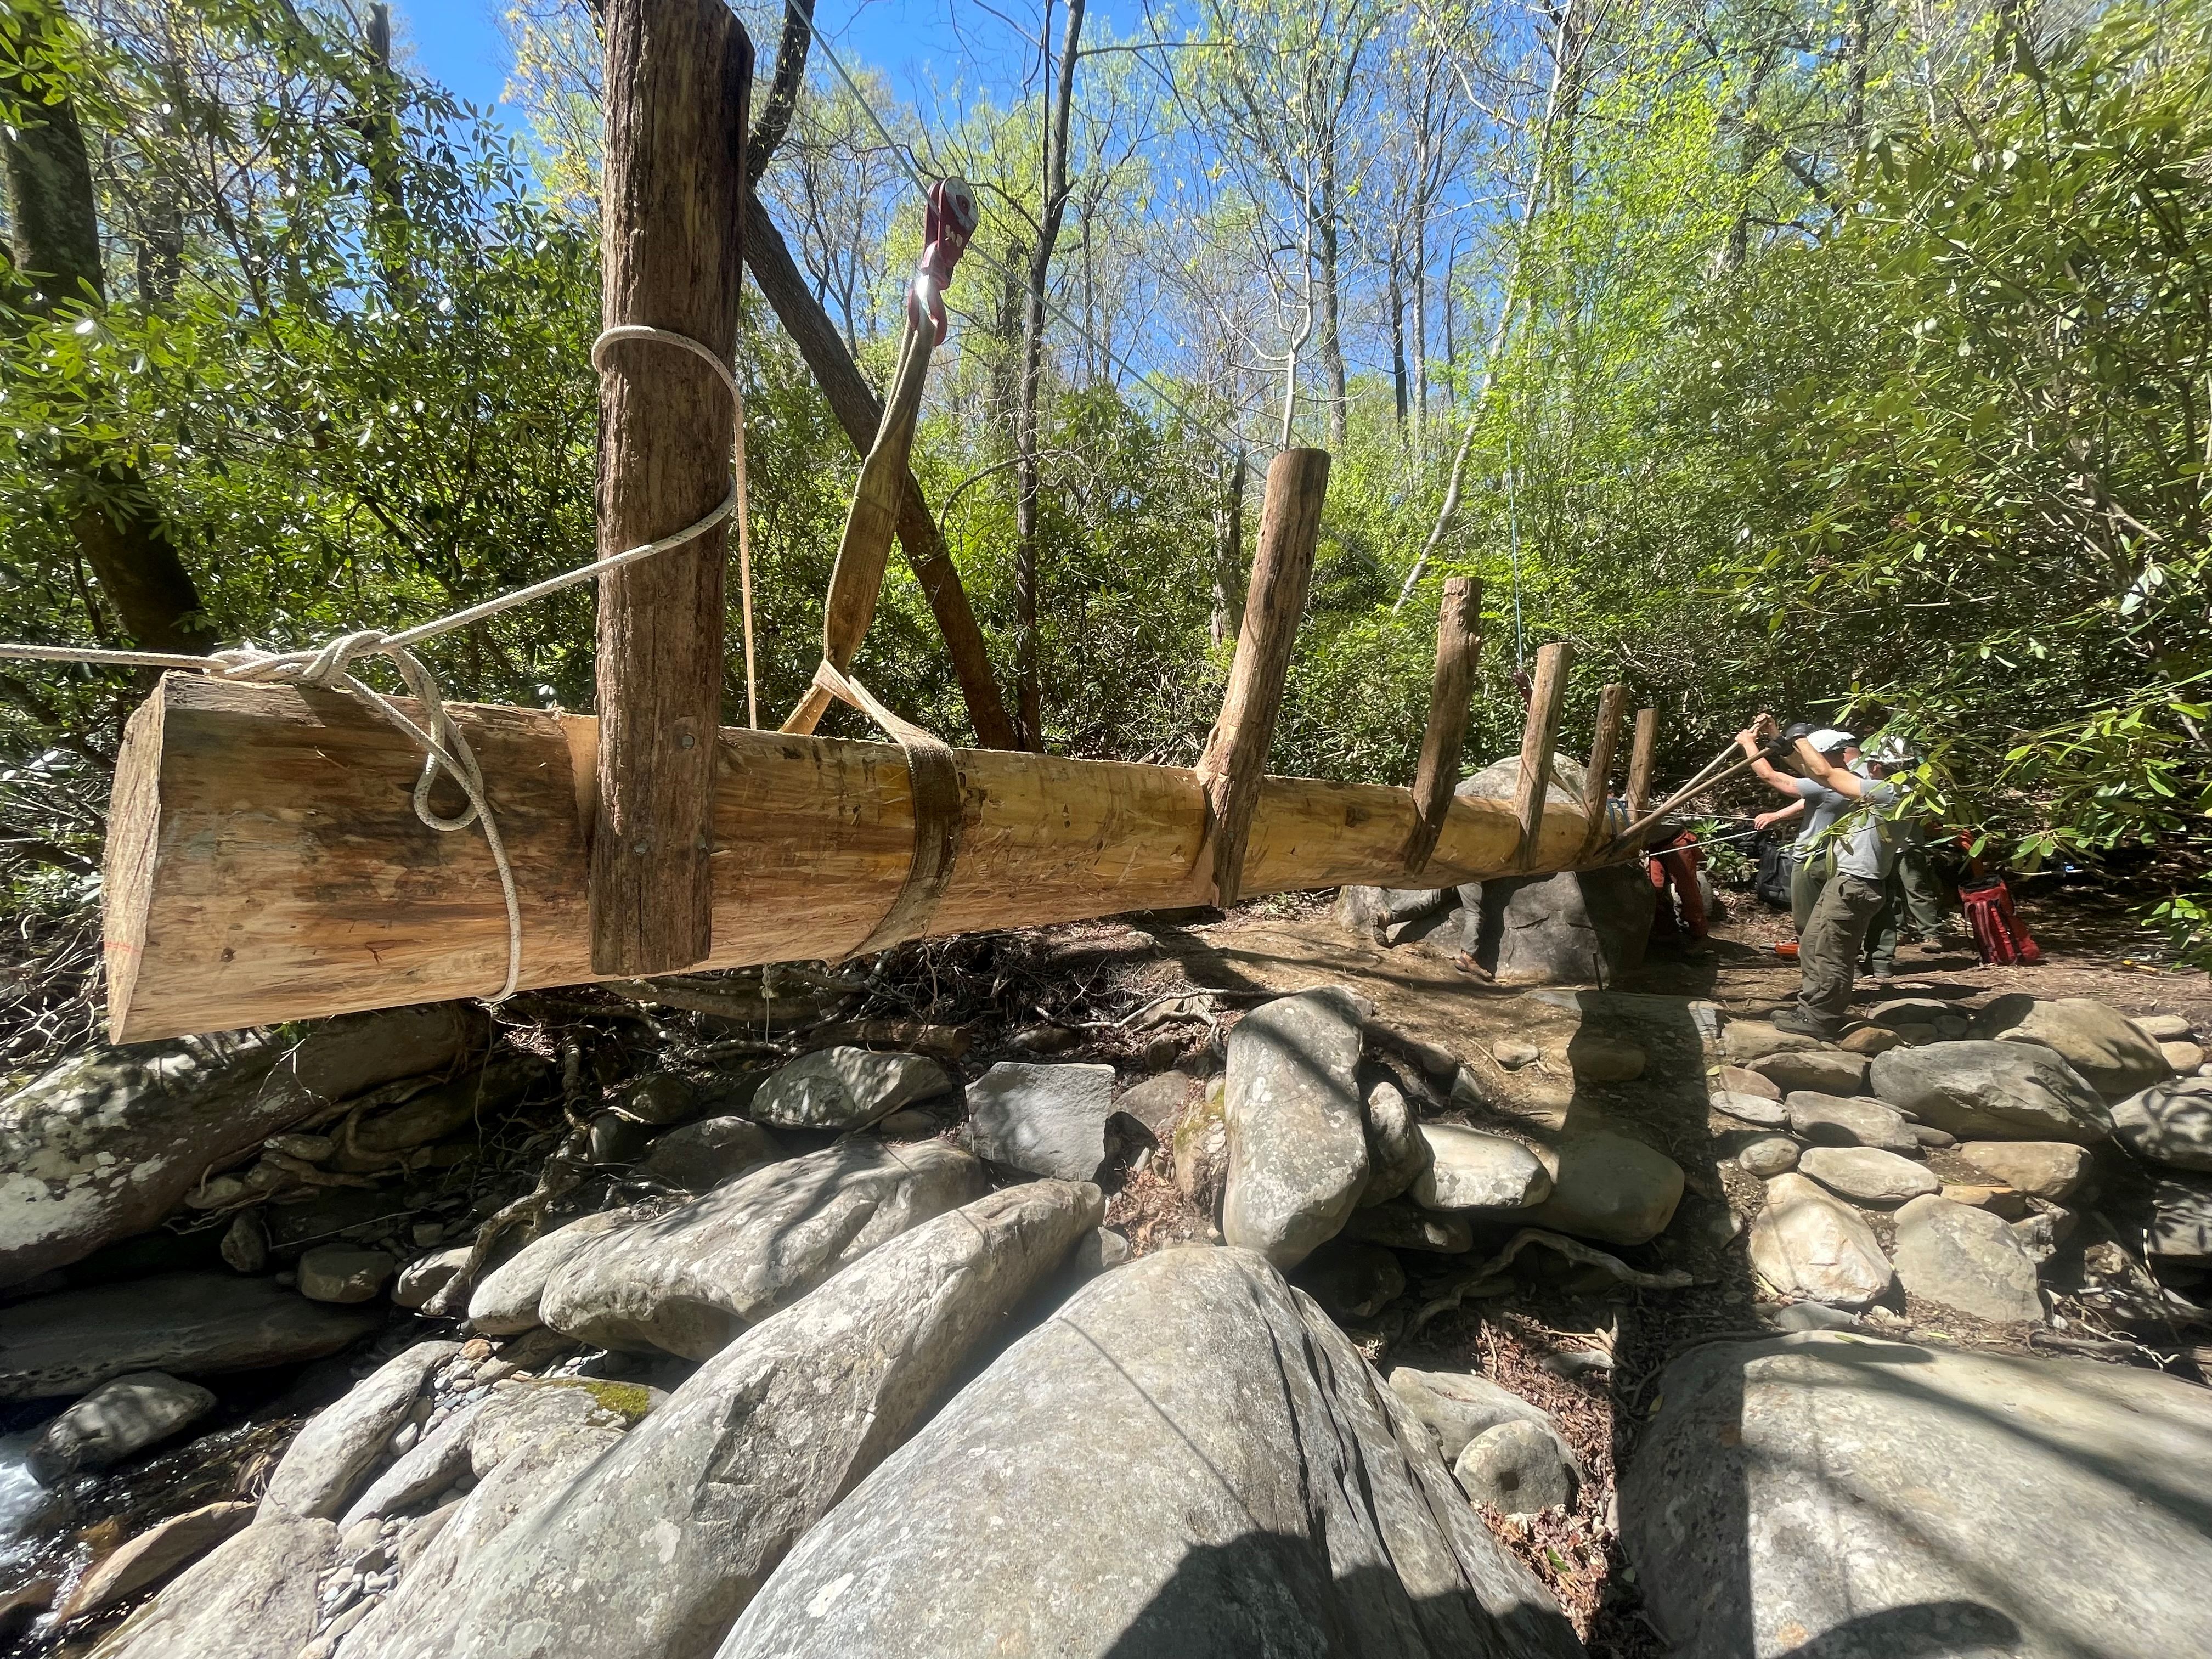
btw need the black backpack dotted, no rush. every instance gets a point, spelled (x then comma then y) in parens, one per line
(1772, 883)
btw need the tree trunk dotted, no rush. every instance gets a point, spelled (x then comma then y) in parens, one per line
(1332, 339)
(1398, 344)
(1229, 556)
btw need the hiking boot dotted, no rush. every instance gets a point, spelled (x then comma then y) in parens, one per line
(1796, 1021)
(1787, 950)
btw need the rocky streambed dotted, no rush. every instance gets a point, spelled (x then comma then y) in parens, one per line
(1205, 1327)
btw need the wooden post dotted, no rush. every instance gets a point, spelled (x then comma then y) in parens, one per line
(1611, 705)
(1537, 738)
(677, 75)
(1640, 760)
(1235, 757)
(1459, 638)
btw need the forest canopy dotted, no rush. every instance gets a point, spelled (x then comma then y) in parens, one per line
(1852, 361)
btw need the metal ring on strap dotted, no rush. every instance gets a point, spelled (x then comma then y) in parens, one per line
(933, 781)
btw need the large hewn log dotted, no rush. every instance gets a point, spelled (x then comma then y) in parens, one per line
(264, 863)
(678, 73)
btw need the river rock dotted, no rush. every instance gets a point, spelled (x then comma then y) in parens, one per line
(329, 1459)
(1806, 1244)
(252, 1598)
(152, 1556)
(1597, 1059)
(1815, 1070)
(1834, 1121)
(1742, 1080)
(2044, 1168)
(844, 1088)
(1457, 1406)
(1751, 1109)
(701, 1156)
(2181, 1219)
(1158, 1101)
(1744, 1042)
(1869, 1040)
(2104, 1046)
(2168, 1123)
(1471, 1169)
(105, 1143)
(1515, 1469)
(116, 1421)
(421, 1280)
(1397, 1152)
(426, 1469)
(2164, 1027)
(376, 1139)
(1297, 1136)
(1043, 1120)
(1604, 1185)
(1989, 1090)
(245, 1243)
(345, 1273)
(1352, 1280)
(1772, 1155)
(505, 1301)
(1201, 1152)
(1402, 1224)
(2184, 1058)
(195, 1324)
(1371, 912)
(687, 1281)
(654, 1549)
(1867, 1174)
(1965, 1259)
(1826, 1494)
(1194, 1530)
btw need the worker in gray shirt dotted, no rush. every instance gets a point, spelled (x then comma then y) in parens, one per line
(1813, 804)
(1828, 952)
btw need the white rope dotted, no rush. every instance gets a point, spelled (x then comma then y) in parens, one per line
(445, 749)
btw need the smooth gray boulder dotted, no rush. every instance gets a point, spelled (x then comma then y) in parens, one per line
(2168, 1123)
(701, 1156)
(1806, 1242)
(505, 1300)
(2181, 1219)
(2112, 1053)
(687, 1281)
(2044, 1168)
(1771, 1155)
(1744, 1042)
(105, 1143)
(1402, 1224)
(1828, 1494)
(1866, 1174)
(426, 1469)
(844, 1088)
(1457, 1406)
(1371, 912)
(1579, 928)
(148, 1557)
(1842, 1120)
(1297, 1136)
(1472, 1170)
(1260, 1491)
(189, 1324)
(114, 1421)
(1396, 1152)
(1043, 1120)
(1607, 1187)
(1751, 1109)
(653, 1551)
(1351, 1279)
(1515, 1469)
(329, 1459)
(1967, 1259)
(421, 1279)
(1983, 1090)
(253, 1597)
(1815, 1071)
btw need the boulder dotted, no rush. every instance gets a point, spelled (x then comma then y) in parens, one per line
(1515, 1469)
(1595, 1059)
(1742, 1080)
(433, 1462)
(105, 1143)
(1470, 1170)
(116, 1421)
(426, 1275)
(1456, 1406)
(1869, 1040)
(1806, 1244)
(1989, 1090)
(1772, 1155)
(2044, 1168)
(687, 1281)
(193, 1324)
(2181, 1219)
(1513, 1053)
(505, 1301)
(150, 1556)
(2168, 1123)
(1397, 1152)
(1866, 1174)
(655, 1548)
(1260, 1493)
(1402, 1224)
(2164, 1027)
(1901, 1013)
(1159, 1102)
(1604, 1185)
(1744, 1042)
(1769, 1113)
(1833, 1121)
(345, 1273)
(245, 1243)
(844, 1088)
(618, 1139)
(1297, 1136)
(375, 1139)
(1201, 1152)
(1815, 1070)
(1826, 1494)
(252, 1598)
(2186, 1058)
(1967, 1259)
(331, 1457)
(701, 1156)
(1352, 1280)
(1370, 912)
(1043, 1120)
(2109, 1053)
(1579, 928)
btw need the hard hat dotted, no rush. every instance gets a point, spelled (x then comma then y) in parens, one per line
(1893, 750)
(1829, 739)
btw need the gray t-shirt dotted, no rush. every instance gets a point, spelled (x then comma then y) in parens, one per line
(1823, 806)
(1871, 841)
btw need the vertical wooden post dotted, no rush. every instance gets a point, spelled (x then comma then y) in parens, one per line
(1611, 705)
(1459, 639)
(678, 75)
(1235, 757)
(1640, 759)
(1537, 738)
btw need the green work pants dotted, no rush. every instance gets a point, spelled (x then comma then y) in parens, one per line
(1807, 878)
(1828, 950)
(1913, 892)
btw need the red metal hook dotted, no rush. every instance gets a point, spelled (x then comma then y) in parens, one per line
(951, 220)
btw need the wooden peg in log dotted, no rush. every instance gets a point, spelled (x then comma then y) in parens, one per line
(1641, 759)
(1611, 705)
(677, 76)
(1235, 757)
(1459, 639)
(1537, 736)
